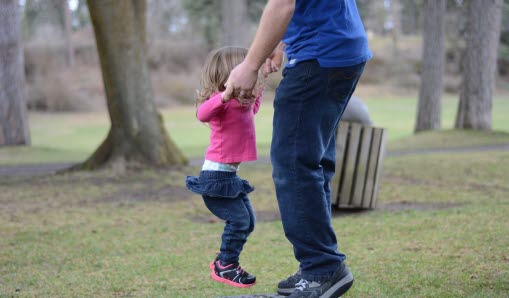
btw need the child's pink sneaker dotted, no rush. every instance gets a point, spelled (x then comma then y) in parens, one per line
(231, 274)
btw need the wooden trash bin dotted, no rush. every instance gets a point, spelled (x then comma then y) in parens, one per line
(359, 158)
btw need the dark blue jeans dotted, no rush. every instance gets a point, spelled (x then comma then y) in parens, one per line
(308, 105)
(239, 223)
(225, 194)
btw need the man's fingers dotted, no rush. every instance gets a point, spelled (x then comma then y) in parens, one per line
(245, 94)
(228, 92)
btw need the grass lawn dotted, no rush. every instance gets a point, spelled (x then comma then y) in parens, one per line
(440, 231)
(72, 137)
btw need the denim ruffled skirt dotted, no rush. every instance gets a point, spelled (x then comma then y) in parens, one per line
(218, 184)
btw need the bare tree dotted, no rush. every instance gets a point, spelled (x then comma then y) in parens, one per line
(411, 14)
(395, 21)
(430, 93)
(234, 21)
(480, 63)
(13, 116)
(137, 133)
(69, 49)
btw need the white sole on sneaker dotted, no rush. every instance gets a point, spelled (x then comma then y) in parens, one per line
(338, 289)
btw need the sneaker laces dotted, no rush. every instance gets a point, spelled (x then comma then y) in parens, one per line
(240, 270)
(301, 285)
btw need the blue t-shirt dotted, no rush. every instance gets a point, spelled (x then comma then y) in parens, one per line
(330, 31)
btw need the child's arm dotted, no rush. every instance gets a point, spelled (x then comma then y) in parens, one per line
(274, 62)
(210, 108)
(256, 104)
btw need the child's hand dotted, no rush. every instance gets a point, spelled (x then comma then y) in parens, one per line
(269, 67)
(274, 62)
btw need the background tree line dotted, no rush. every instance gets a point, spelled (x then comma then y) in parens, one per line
(59, 60)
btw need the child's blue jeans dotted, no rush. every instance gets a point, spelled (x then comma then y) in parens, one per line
(225, 195)
(308, 105)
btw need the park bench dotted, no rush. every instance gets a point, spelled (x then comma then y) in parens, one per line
(359, 157)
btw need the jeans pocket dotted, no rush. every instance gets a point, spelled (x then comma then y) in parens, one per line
(345, 73)
(299, 72)
(342, 81)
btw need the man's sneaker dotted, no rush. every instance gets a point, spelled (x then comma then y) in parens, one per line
(287, 286)
(335, 287)
(231, 274)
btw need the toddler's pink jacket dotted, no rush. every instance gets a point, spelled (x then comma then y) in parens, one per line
(232, 136)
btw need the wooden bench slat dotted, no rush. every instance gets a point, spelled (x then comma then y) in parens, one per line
(360, 175)
(372, 164)
(341, 137)
(359, 158)
(381, 155)
(351, 159)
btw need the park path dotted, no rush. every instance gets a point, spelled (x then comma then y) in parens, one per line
(50, 168)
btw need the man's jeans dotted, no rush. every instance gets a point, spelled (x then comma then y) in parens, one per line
(308, 105)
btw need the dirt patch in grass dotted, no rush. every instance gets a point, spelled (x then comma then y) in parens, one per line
(273, 215)
(418, 206)
(398, 206)
(261, 216)
(150, 194)
(256, 296)
(88, 189)
(437, 183)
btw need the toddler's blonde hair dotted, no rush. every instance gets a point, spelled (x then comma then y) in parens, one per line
(216, 70)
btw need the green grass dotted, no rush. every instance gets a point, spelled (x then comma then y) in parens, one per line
(440, 229)
(398, 114)
(107, 234)
(73, 137)
(449, 139)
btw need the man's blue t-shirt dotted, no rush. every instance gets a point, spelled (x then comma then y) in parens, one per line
(330, 31)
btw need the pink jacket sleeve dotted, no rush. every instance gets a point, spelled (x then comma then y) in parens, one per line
(256, 104)
(210, 108)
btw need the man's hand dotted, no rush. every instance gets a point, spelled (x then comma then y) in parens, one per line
(241, 83)
(275, 19)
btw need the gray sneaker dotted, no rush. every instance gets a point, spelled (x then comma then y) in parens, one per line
(335, 287)
(287, 286)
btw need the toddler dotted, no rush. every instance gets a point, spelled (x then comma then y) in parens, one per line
(232, 141)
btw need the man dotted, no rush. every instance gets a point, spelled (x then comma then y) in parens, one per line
(327, 49)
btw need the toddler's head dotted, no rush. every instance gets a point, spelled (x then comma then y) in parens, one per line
(217, 68)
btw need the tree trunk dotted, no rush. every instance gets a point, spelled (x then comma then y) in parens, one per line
(480, 64)
(395, 17)
(13, 115)
(410, 16)
(137, 134)
(429, 108)
(67, 33)
(233, 22)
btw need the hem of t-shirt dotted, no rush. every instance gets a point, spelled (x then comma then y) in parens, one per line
(232, 160)
(330, 63)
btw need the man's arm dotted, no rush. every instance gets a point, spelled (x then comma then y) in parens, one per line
(273, 23)
(275, 19)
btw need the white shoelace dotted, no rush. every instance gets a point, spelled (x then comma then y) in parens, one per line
(301, 285)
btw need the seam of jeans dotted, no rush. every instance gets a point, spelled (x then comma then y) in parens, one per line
(251, 214)
(298, 188)
(228, 239)
(353, 89)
